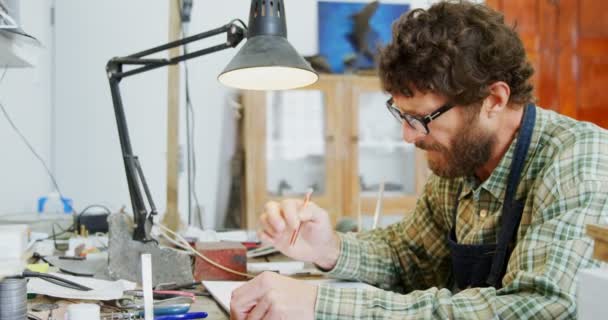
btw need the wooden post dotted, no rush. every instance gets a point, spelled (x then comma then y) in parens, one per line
(172, 216)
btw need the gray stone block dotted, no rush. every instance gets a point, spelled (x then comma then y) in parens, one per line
(168, 265)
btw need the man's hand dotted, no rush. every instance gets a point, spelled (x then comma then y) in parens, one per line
(272, 296)
(317, 241)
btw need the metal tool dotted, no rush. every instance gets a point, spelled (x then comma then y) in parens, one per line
(56, 280)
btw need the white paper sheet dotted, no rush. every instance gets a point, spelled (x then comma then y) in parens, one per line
(102, 289)
(221, 291)
(262, 251)
(284, 267)
(287, 267)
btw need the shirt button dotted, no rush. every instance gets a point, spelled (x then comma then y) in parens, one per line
(483, 213)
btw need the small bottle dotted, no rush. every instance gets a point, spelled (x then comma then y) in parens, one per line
(54, 203)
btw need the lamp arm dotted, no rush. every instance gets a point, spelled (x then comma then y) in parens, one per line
(145, 185)
(235, 34)
(115, 73)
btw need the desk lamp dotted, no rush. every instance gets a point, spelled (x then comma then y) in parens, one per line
(265, 62)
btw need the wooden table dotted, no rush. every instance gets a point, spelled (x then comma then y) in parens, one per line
(207, 304)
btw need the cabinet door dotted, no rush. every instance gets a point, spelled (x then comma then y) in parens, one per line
(378, 154)
(567, 43)
(536, 24)
(291, 147)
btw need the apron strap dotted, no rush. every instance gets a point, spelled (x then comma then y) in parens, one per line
(511, 211)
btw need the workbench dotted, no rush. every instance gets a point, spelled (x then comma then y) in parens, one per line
(202, 303)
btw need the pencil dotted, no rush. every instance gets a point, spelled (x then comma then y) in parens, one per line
(294, 235)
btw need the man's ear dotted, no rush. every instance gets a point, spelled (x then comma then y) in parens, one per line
(497, 100)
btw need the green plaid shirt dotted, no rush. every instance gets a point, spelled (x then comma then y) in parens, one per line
(565, 186)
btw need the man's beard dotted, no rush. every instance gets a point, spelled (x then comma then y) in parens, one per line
(469, 150)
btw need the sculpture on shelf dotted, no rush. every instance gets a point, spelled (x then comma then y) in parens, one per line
(363, 38)
(351, 34)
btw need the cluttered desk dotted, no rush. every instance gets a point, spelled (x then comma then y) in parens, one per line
(128, 266)
(79, 285)
(141, 267)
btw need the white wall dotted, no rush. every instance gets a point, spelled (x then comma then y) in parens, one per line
(88, 33)
(26, 95)
(88, 159)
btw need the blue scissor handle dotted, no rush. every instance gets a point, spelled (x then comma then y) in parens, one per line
(191, 315)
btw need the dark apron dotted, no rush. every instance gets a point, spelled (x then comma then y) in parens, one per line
(485, 265)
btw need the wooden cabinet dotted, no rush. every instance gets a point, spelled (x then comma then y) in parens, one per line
(335, 136)
(377, 153)
(567, 43)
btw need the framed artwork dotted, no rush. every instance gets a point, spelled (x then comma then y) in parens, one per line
(351, 33)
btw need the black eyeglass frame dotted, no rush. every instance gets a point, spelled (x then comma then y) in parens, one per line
(424, 120)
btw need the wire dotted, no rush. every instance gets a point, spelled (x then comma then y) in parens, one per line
(241, 22)
(72, 228)
(106, 209)
(175, 243)
(192, 142)
(185, 243)
(63, 231)
(190, 131)
(49, 173)
(31, 148)
(27, 143)
(78, 216)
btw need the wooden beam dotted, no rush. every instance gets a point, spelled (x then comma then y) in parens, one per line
(172, 216)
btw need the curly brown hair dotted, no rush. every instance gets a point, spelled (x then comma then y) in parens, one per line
(455, 49)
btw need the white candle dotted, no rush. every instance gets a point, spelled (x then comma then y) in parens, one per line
(146, 275)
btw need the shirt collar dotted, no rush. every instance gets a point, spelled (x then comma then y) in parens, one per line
(496, 184)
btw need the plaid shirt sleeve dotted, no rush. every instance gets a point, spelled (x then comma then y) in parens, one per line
(400, 258)
(568, 191)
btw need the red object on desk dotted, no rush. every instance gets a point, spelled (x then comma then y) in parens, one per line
(232, 255)
(251, 245)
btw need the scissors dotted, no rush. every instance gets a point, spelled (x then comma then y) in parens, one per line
(191, 315)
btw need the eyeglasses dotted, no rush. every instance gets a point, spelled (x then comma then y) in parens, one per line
(418, 123)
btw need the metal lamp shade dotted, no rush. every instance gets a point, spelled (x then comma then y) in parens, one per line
(267, 61)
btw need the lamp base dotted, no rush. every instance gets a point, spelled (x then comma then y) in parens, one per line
(168, 265)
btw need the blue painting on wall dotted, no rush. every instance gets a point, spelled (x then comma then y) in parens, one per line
(350, 34)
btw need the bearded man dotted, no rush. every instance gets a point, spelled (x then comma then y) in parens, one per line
(499, 231)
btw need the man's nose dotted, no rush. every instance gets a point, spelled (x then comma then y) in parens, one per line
(410, 135)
